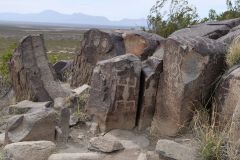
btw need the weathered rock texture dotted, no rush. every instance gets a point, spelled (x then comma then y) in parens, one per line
(190, 68)
(39, 125)
(63, 70)
(141, 43)
(235, 125)
(229, 37)
(114, 92)
(76, 156)
(39, 150)
(227, 96)
(212, 30)
(31, 74)
(151, 70)
(96, 46)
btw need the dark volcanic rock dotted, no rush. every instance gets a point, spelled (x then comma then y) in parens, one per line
(96, 46)
(190, 68)
(151, 70)
(114, 92)
(212, 30)
(31, 74)
(63, 70)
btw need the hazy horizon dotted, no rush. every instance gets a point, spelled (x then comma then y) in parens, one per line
(112, 10)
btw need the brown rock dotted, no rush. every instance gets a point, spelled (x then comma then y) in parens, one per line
(114, 92)
(96, 46)
(32, 75)
(235, 125)
(141, 43)
(39, 125)
(190, 68)
(151, 70)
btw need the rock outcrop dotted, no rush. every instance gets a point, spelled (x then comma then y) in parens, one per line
(113, 100)
(35, 126)
(191, 66)
(235, 125)
(212, 30)
(35, 150)
(31, 74)
(141, 43)
(151, 70)
(96, 46)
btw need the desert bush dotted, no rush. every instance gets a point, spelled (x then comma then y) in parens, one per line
(233, 56)
(4, 60)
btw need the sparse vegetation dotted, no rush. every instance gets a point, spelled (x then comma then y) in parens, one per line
(81, 102)
(233, 56)
(214, 143)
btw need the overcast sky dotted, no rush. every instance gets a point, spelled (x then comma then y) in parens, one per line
(112, 9)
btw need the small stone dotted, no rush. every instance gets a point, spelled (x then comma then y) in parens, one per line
(142, 156)
(81, 136)
(76, 156)
(105, 145)
(33, 150)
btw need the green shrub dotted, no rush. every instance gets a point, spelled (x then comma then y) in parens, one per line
(233, 56)
(4, 60)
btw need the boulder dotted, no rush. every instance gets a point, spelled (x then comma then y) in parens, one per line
(168, 149)
(76, 156)
(32, 76)
(63, 70)
(105, 145)
(212, 30)
(140, 43)
(113, 100)
(191, 66)
(35, 126)
(227, 96)
(96, 46)
(228, 38)
(151, 70)
(38, 150)
(28, 106)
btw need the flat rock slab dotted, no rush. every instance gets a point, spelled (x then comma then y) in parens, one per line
(35, 150)
(130, 154)
(76, 156)
(168, 149)
(104, 144)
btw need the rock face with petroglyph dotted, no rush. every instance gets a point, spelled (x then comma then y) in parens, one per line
(32, 76)
(96, 46)
(151, 70)
(141, 43)
(227, 95)
(114, 92)
(191, 66)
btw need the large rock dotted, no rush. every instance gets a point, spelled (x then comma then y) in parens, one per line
(35, 126)
(228, 39)
(168, 149)
(39, 150)
(151, 70)
(227, 96)
(105, 145)
(235, 125)
(212, 30)
(63, 70)
(141, 43)
(31, 74)
(191, 66)
(114, 92)
(96, 46)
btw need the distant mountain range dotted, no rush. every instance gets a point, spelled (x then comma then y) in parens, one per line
(50, 16)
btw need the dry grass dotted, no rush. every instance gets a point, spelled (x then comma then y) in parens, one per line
(214, 143)
(233, 56)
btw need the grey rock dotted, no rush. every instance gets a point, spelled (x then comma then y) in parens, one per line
(32, 76)
(76, 156)
(38, 150)
(114, 93)
(63, 70)
(105, 145)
